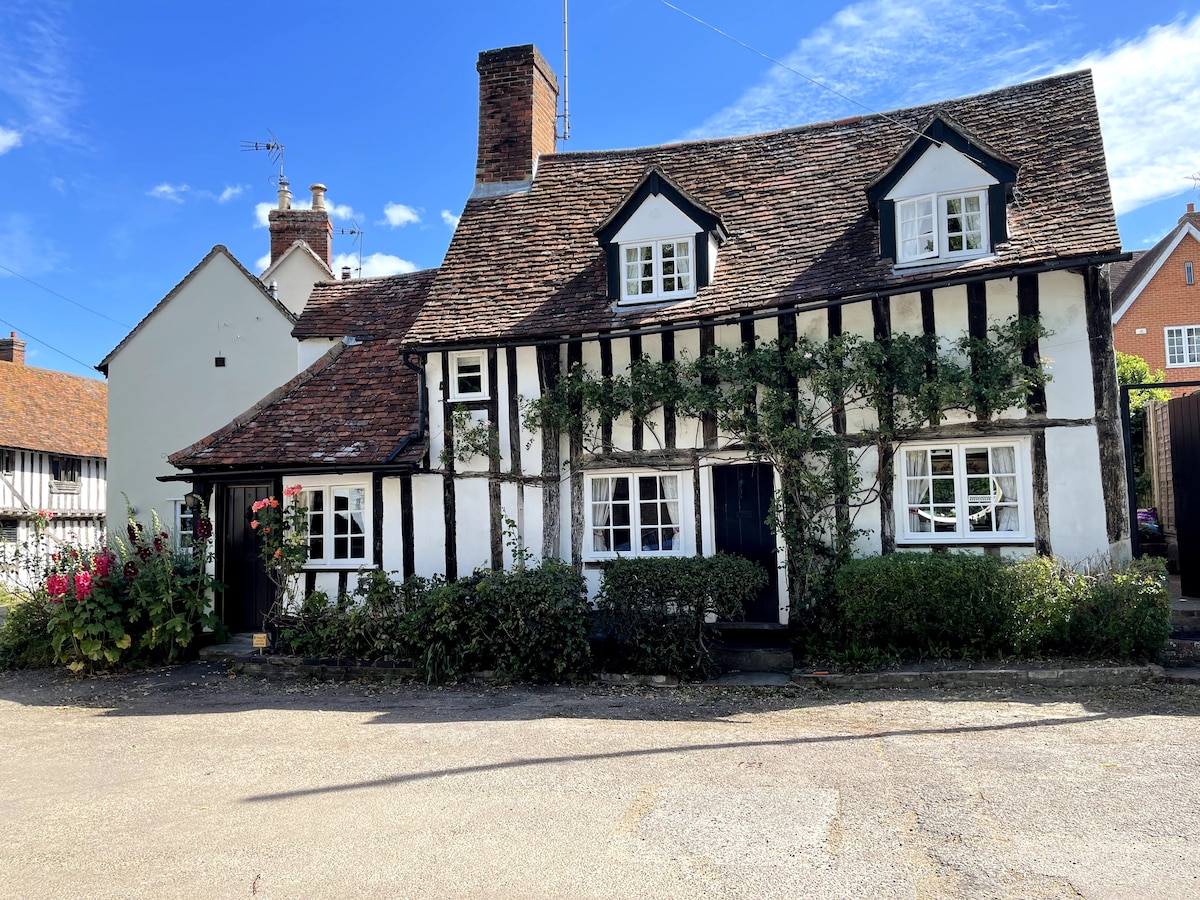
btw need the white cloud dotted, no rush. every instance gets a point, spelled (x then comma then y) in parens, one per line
(34, 69)
(398, 215)
(450, 218)
(230, 192)
(888, 54)
(260, 264)
(260, 214)
(1146, 91)
(374, 266)
(172, 192)
(58, 184)
(8, 140)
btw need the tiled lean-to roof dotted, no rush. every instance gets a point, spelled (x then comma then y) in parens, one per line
(52, 411)
(357, 406)
(364, 307)
(527, 264)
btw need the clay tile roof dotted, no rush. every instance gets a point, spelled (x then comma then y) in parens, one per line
(1118, 273)
(364, 307)
(52, 411)
(526, 265)
(356, 405)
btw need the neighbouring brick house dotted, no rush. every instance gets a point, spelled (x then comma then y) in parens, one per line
(1156, 303)
(52, 454)
(939, 220)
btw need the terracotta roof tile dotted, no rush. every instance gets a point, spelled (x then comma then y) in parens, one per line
(527, 264)
(357, 404)
(364, 307)
(52, 411)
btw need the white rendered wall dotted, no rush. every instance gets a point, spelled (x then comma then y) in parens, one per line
(1069, 393)
(1078, 528)
(164, 391)
(295, 275)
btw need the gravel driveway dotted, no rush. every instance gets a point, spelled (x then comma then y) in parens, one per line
(192, 783)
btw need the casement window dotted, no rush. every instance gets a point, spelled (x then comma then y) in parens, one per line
(8, 462)
(657, 270)
(963, 492)
(184, 522)
(468, 375)
(634, 515)
(1183, 345)
(337, 524)
(942, 226)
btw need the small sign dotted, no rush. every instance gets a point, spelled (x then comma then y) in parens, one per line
(260, 640)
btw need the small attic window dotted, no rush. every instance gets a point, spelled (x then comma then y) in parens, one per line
(658, 270)
(1188, 276)
(942, 226)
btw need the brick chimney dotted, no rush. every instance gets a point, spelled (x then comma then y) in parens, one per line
(1190, 216)
(309, 225)
(518, 114)
(12, 349)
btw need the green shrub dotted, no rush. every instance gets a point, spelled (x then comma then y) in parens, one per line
(1046, 595)
(1125, 614)
(25, 637)
(926, 604)
(653, 611)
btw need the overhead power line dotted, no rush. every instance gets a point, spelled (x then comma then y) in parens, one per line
(48, 346)
(784, 65)
(94, 312)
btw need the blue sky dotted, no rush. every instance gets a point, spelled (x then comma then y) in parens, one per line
(121, 122)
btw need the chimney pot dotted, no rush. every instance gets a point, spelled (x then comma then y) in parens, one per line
(318, 192)
(288, 225)
(345, 273)
(1190, 216)
(12, 350)
(285, 195)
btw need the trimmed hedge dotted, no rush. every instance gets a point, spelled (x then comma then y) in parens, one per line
(652, 612)
(919, 605)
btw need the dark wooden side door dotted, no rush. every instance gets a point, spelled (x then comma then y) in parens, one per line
(1184, 414)
(247, 596)
(742, 500)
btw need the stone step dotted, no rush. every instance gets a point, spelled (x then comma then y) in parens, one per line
(747, 658)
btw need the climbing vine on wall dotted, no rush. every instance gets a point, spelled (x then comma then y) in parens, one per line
(814, 410)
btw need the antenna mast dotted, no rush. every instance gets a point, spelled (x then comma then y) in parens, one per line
(274, 151)
(566, 115)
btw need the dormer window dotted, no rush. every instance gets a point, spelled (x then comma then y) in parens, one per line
(957, 230)
(660, 244)
(658, 270)
(943, 198)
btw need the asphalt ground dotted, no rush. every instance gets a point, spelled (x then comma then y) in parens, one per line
(191, 783)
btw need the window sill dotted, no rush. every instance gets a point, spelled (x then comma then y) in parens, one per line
(956, 540)
(64, 487)
(347, 565)
(940, 262)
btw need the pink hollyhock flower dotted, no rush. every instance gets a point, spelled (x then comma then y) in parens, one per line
(291, 491)
(56, 587)
(101, 563)
(83, 585)
(277, 554)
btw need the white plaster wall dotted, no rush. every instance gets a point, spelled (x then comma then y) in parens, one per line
(940, 168)
(689, 433)
(1078, 528)
(1069, 393)
(857, 318)
(393, 527)
(429, 526)
(868, 517)
(310, 350)
(473, 524)
(295, 276)
(164, 391)
(950, 320)
(437, 430)
(906, 314)
(622, 432)
(529, 389)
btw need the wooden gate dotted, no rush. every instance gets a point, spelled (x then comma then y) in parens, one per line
(1184, 419)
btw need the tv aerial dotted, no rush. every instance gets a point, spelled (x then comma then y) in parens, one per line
(273, 148)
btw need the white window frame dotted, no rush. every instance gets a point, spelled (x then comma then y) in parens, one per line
(594, 521)
(1185, 358)
(1021, 480)
(329, 533)
(182, 519)
(470, 357)
(656, 264)
(1189, 276)
(908, 209)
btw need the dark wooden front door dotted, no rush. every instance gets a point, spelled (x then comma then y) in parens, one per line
(247, 596)
(742, 500)
(1184, 413)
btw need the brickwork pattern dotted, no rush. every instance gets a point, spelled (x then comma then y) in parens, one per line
(518, 113)
(309, 225)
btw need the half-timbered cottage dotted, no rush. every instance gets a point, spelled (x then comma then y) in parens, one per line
(52, 458)
(939, 220)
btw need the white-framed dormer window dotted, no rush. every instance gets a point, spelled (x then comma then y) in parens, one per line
(964, 492)
(1183, 345)
(468, 375)
(338, 524)
(942, 226)
(658, 270)
(633, 514)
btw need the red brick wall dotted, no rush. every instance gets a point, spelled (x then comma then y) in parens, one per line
(518, 113)
(309, 225)
(1168, 300)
